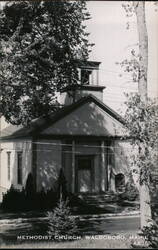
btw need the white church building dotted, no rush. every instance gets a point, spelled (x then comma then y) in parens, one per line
(84, 138)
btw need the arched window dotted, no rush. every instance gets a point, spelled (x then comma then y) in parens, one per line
(120, 182)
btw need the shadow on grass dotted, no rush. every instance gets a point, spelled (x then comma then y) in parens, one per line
(35, 222)
(38, 226)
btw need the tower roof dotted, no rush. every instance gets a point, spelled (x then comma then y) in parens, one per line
(88, 64)
(83, 87)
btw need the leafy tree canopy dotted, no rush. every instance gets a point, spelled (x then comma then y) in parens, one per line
(142, 122)
(39, 44)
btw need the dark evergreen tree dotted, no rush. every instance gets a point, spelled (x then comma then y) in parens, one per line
(61, 186)
(39, 44)
(30, 192)
(30, 187)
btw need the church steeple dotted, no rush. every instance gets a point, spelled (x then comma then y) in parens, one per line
(88, 84)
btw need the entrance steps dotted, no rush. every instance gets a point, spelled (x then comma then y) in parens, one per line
(98, 200)
(102, 203)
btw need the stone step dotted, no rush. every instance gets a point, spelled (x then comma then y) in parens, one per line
(99, 200)
(96, 195)
(99, 197)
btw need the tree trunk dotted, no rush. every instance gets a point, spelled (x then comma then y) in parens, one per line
(145, 202)
(143, 49)
(145, 206)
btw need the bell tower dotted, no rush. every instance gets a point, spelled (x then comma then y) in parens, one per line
(88, 84)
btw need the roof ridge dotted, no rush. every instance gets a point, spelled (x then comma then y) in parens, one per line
(35, 128)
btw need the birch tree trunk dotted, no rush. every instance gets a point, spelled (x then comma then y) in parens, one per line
(143, 48)
(145, 203)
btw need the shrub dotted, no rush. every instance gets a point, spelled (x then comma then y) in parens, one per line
(60, 222)
(130, 193)
(13, 200)
(61, 185)
(154, 200)
(46, 199)
(28, 199)
(30, 186)
(16, 200)
(151, 235)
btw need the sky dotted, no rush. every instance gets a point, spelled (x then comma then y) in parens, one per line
(113, 43)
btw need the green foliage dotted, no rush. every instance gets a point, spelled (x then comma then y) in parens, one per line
(131, 192)
(151, 235)
(60, 221)
(154, 197)
(141, 120)
(61, 185)
(39, 44)
(15, 200)
(30, 186)
(132, 66)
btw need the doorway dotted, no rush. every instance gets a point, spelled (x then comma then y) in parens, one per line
(120, 182)
(84, 174)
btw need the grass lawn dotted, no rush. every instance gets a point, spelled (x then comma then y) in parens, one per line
(116, 241)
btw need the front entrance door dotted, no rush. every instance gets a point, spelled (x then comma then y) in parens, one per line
(84, 174)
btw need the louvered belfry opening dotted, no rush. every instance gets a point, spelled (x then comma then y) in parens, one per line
(88, 84)
(88, 72)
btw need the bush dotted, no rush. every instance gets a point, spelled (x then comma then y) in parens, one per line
(154, 200)
(16, 200)
(46, 199)
(61, 185)
(28, 199)
(30, 186)
(151, 235)
(61, 223)
(151, 232)
(130, 193)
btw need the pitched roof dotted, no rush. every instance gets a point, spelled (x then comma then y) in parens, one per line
(42, 123)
